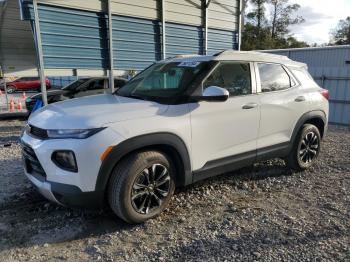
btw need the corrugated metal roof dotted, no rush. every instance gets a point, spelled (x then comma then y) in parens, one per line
(17, 50)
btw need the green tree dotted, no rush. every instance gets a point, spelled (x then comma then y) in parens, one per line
(256, 22)
(261, 32)
(283, 17)
(341, 34)
(257, 15)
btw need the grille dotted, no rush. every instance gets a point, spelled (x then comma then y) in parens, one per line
(31, 162)
(38, 132)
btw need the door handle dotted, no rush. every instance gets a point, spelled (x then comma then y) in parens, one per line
(299, 99)
(249, 106)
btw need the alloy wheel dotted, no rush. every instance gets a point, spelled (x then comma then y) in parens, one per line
(309, 147)
(150, 188)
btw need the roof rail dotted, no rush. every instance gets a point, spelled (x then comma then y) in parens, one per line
(182, 56)
(224, 51)
(228, 52)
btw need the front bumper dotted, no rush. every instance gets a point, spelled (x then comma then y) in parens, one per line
(67, 195)
(77, 189)
(43, 187)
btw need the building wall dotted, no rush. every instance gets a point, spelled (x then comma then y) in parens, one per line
(222, 13)
(75, 33)
(330, 67)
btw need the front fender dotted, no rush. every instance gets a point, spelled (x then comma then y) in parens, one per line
(137, 143)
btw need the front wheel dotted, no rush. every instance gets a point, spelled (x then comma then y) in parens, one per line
(10, 89)
(141, 186)
(306, 148)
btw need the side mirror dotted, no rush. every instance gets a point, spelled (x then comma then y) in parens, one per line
(215, 93)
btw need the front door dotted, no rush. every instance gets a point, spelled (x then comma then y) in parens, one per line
(223, 132)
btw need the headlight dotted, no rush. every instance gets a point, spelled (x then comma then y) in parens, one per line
(73, 133)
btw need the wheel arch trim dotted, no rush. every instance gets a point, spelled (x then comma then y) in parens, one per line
(138, 143)
(316, 114)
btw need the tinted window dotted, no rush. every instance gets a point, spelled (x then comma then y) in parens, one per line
(75, 84)
(235, 77)
(119, 83)
(273, 77)
(96, 84)
(32, 78)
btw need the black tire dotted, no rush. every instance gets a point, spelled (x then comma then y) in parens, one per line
(306, 148)
(130, 190)
(10, 89)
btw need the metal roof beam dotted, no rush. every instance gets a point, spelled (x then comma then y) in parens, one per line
(40, 52)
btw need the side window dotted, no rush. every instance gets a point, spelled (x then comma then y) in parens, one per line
(119, 83)
(97, 84)
(100, 84)
(235, 77)
(33, 78)
(304, 78)
(273, 77)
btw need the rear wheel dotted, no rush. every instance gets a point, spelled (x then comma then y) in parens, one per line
(141, 186)
(306, 148)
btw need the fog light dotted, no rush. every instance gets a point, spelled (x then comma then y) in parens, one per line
(65, 159)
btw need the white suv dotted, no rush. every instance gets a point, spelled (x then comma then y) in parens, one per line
(178, 121)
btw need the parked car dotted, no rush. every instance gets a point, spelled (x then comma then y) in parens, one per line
(82, 87)
(179, 121)
(26, 84)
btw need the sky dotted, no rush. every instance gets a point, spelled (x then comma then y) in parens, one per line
(321, 16)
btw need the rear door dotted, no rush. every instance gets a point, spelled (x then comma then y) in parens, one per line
(281, 104)
(33, 83)
(223, 132)
(21, 83)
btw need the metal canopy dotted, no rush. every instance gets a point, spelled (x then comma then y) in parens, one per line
(86, 23)
(17, 49)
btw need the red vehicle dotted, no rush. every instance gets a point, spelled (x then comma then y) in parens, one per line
(26, 84)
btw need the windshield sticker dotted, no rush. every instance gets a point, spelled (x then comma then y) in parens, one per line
(189, 64)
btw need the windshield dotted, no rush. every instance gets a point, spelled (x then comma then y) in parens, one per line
(75, 84)
(162, 80)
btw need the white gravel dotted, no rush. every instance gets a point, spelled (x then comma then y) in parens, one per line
(265, 212)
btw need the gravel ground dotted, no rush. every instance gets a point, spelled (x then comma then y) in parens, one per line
(264, 212)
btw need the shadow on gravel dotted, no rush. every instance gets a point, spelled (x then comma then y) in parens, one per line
(249, 243)
(9, 139)
(9, 128)
(259, 171)
(27, 219)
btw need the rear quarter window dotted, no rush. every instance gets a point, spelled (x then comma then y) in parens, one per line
(304, 78)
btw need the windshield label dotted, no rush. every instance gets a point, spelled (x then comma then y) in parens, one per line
(189, 64)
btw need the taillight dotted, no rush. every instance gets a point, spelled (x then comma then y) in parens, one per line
(325, 93)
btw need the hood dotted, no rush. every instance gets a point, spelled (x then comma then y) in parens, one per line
(49, 93)
(93, 111)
